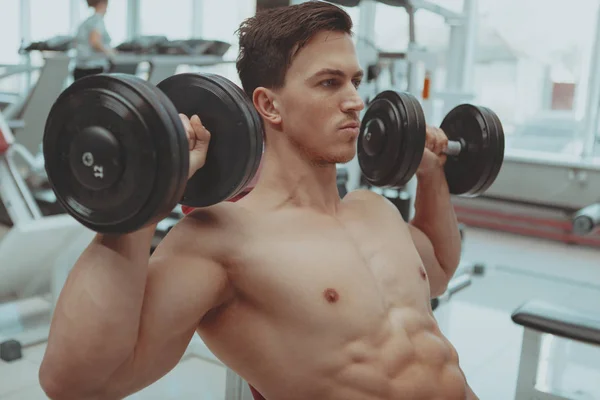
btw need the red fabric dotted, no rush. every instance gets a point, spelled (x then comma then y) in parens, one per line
(4, 143)
(255, 394)
(187, 209)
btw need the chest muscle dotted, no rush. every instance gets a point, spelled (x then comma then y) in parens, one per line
(317, 275)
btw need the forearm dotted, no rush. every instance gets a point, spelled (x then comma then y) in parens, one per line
(435, 217)
(107, 51)
(99, 47)
(95, 324)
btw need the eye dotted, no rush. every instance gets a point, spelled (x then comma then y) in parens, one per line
(329, 82)
(357, 82)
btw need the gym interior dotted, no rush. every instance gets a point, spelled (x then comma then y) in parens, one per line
(521, 309)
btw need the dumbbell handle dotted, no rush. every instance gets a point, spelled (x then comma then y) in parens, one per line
(454, 148)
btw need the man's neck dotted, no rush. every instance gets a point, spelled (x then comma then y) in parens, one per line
(288, 178)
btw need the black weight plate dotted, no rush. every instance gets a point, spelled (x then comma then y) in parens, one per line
(233, 90)
(255, 130)
(497, 131)
(467, 172)
(174, 183)
(380, 141)
(401, 167)
(117, 106)
(414, 145)
(486, 172)
(392, 160)
(171, 174)
(257, 135)
(232, 137)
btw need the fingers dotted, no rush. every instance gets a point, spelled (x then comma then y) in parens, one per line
(442, 142)
(199, 147)
(436, 140)
(430, 136)
(187, 126)
(194, 130)
(202, 134)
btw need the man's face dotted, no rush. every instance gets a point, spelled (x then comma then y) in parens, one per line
(319, 103)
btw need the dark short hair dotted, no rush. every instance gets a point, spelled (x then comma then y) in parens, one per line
(94, 3)
(269, 40)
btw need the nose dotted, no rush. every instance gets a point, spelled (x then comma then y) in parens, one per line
(353, 102)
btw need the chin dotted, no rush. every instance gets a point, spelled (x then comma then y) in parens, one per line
(341, 155)
(339, 158)
(345, 159)
(348, 155)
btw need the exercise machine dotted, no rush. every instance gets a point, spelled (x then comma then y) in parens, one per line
(586, 220)
(164, 56)
(540, 318)
(27, 114)
(37, 251)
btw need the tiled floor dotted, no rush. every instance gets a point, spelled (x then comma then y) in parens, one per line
(477, 321)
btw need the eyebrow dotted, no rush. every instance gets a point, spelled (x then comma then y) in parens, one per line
(337, 72)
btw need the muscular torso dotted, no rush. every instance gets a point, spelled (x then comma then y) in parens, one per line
(330, 308)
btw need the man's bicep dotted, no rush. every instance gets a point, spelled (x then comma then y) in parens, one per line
(438, 280)
(180, 290)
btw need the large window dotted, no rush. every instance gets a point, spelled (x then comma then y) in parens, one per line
(531, 65)
(533, 68)
(10, 31)
(10, 41)
(219, 24)
(219, 21)
(49, 21)
(171, 18)
(596, 144)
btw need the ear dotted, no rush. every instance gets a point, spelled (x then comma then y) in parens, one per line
(265, 102)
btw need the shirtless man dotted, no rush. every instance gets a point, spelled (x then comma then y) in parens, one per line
(304, 295)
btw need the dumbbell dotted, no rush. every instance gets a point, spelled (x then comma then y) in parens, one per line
(117, 155)
(391, 144)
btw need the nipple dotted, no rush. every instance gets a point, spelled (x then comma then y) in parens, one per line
(331, 295)
(423, 273)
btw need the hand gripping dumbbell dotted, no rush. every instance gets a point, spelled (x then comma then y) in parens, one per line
(391, 144)
(117, 154)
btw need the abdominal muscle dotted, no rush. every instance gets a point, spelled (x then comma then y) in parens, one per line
(404, 356)
(330, 310)
(408, 359)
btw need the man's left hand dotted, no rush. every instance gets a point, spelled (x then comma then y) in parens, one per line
(436, 142)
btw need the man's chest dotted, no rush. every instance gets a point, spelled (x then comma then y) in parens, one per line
(332, 273)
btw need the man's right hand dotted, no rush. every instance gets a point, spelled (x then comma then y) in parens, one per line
(198, 139)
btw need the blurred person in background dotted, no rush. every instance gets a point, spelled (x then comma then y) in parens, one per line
(92, 43)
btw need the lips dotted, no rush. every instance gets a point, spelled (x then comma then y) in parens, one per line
(350, 125)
